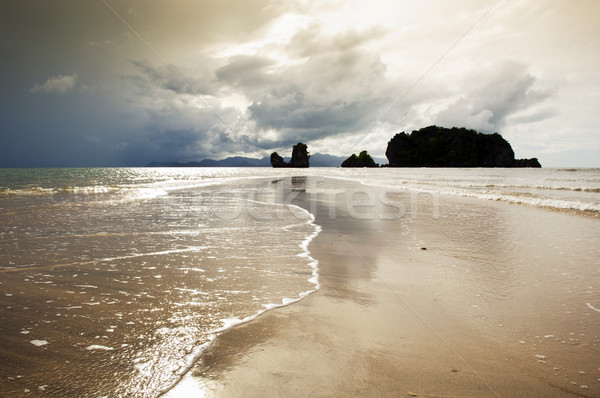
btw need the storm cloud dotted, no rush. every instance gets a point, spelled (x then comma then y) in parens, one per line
(187, 81)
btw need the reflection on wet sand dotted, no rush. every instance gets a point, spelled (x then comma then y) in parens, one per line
(495, 306)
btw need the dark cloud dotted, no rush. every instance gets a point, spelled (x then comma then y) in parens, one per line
(246, 72)
(252, 76)
(297, 116)
(180, 80)
(118, 105)
(331, 93)
(179, 123)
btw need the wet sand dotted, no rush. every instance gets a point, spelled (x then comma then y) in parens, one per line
(468, 304)
(105, 299)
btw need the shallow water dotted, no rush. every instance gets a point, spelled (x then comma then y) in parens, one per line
(115, 293)
(113, 280)
(555, 189)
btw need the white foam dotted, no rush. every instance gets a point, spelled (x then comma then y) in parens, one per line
(546, 188)
(35, 191)
(560, 204)
(592, 307)
(98, 347)
(152, 254)
(228, 323)
(39, 343)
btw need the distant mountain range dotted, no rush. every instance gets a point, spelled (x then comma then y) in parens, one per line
(316, 160)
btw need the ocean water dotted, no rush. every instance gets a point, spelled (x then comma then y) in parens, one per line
(576, 190)
(113, 281)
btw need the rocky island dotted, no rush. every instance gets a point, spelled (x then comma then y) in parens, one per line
(362, 160)
(435, 146)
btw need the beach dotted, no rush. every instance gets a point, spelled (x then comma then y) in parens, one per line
(314, 282)
(472, 299)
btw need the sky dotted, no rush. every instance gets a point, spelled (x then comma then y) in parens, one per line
(123, 83)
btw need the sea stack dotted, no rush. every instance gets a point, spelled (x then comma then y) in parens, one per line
(300, 157)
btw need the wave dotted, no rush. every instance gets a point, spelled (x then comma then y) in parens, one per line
(469, 185)
(228, 323)
(531, 200)
(523, 198)
(539, 187)
(38, 191)
(537, 195)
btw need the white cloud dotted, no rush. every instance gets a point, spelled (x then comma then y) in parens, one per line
(58, 85)
(490, 95)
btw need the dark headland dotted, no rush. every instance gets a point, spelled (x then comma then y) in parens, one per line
(435, 146)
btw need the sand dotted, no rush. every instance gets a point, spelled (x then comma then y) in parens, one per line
(426, 304)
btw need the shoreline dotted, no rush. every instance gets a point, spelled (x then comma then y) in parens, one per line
(370, 331)
(130, 291)
(119, 303)
(199, 351)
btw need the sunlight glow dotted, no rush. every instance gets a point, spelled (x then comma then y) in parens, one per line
(277, 35)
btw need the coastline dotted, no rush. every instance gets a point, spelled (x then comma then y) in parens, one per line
(393, 317)
(121, 297)
(131, 282)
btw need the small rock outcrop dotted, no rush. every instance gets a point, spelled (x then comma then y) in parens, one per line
(362, 160)
(533, 162)
(300, 157)
(277, 161)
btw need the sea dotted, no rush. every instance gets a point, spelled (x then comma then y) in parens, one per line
(113, 281)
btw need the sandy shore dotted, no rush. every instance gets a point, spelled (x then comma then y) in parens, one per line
(416, 306)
